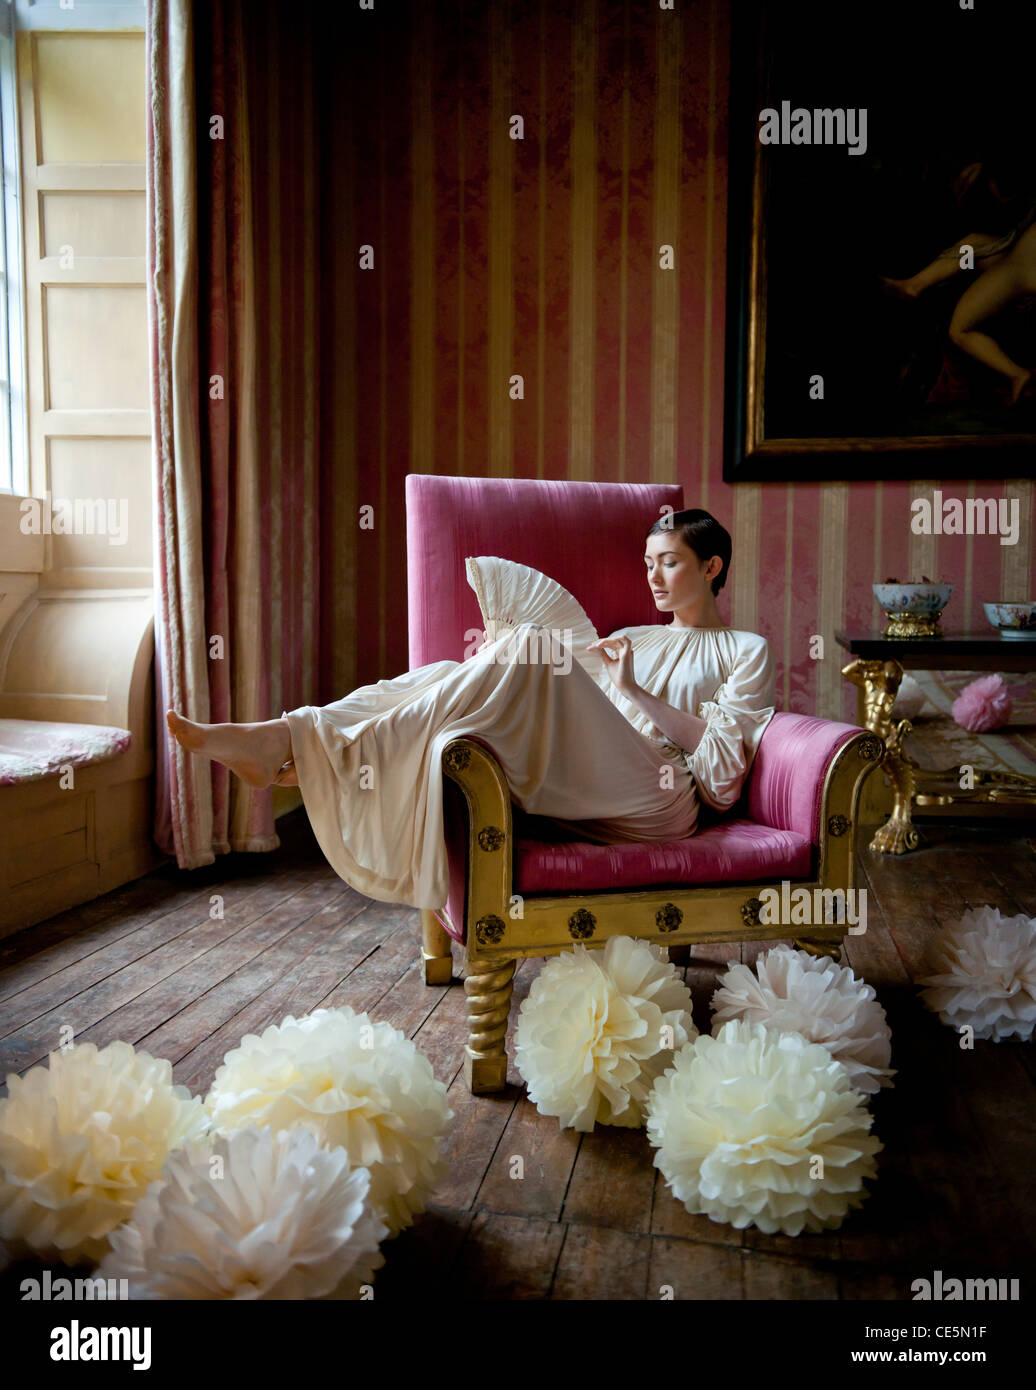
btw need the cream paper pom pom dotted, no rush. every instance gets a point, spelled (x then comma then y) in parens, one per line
(80, 1141)
(589, 1042)
(275, 1216)
(798, 993)
(357, 1085)
(985, 974)
(740, 1121)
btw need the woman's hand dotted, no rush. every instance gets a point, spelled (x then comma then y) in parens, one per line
(680, 728)
(617, 653)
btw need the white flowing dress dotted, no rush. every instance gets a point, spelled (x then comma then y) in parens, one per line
(570, 745)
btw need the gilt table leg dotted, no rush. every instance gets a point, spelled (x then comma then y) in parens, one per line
(898, 834)
(878, 683)
(435, 950)
(488, 987)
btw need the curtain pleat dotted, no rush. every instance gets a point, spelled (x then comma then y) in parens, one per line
(183, 783)
(235, 480)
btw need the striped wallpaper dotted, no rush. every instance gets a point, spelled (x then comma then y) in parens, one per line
(538, 257)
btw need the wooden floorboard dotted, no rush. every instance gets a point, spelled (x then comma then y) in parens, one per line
(187, 1005)
(268, 992)
(105, 944)
(263, 921)
(528, 1210)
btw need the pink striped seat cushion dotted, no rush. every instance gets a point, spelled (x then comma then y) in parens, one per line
(734, 851)
(31, 749)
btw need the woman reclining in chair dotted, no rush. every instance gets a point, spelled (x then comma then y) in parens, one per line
(622, 743)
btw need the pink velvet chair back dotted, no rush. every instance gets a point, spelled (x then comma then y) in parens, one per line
(587, 536)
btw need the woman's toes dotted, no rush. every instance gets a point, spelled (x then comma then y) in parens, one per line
(185, 731)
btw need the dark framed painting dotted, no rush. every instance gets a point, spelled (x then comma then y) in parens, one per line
(881, 257)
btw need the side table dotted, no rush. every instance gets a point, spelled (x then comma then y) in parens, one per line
(877, 671)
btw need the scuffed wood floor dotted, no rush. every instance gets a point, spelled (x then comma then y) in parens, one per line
(591, 1218)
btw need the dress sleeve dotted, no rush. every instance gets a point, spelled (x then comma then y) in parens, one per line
(737, 715)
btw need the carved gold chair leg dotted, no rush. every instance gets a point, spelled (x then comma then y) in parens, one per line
(831, 949)
(435, 950)
(488, 988)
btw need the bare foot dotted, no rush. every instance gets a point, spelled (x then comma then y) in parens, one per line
(899, 289)
(254, 752)
(1018, 385)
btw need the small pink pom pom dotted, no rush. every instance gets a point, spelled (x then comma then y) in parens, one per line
(984, 704)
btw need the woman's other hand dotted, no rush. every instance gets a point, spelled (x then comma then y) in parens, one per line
(617, 653)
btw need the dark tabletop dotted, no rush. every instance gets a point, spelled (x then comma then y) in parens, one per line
(962, 651)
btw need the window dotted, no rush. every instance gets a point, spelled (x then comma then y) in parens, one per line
(13, 452)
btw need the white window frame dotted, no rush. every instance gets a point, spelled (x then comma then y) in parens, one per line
(14, 445)
(100, 15)
(80, 14)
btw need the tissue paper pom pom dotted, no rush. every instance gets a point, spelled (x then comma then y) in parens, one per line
(985, 974)
(910, 699)
(358, 1085)
(589, 1042)
(795, 992)
(80, 1141)
(984, 704)
(739, 1121)
(281, 1217)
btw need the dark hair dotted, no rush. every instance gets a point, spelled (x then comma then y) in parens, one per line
(701, 532)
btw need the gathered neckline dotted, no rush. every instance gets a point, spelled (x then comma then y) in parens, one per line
(668, 627)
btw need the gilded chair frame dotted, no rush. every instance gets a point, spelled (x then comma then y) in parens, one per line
(501, 928)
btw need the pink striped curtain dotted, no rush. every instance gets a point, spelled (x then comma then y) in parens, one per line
(236, 429)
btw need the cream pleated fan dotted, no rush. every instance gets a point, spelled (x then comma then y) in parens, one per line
(510, 594)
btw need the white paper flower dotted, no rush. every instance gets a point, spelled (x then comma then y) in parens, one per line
(795, 992)
(357, 1085)
(252, 1215)
(80, 1141)
(590, 1040)
(762, 1128)
(985, 974)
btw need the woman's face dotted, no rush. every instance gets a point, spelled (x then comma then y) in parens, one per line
(676, 577)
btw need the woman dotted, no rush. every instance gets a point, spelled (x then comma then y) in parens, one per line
(622, 744)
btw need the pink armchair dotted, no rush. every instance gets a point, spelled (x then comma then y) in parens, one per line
(514, 893)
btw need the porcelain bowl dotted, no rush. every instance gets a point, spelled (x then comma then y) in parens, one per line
(917, 600)
(1016, 620)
